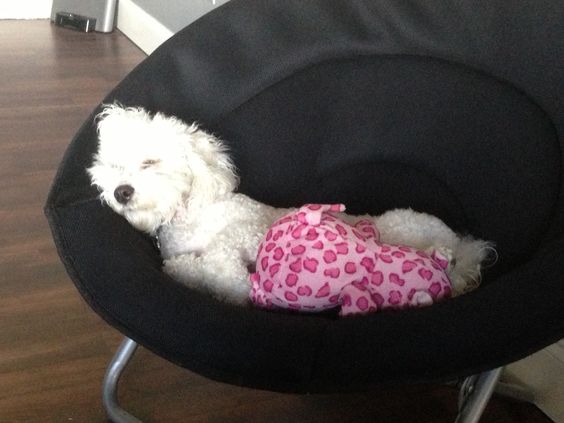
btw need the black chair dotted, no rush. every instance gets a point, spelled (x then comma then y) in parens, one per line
(453, 108)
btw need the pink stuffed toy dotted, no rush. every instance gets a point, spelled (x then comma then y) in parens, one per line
(311, 261)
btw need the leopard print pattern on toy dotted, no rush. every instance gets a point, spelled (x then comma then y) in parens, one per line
(310, 260)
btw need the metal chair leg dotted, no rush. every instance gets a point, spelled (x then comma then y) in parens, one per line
(474, 395)
(110, 385)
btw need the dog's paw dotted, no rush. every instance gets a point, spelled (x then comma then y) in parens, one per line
(472, 256)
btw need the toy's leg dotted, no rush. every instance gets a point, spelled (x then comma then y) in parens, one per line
(421, 298)
(442, 256)
(357, 299)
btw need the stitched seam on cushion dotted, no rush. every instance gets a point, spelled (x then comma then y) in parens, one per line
(113, 320)
(339, 56)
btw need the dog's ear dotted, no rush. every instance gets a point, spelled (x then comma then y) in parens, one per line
(213, 172)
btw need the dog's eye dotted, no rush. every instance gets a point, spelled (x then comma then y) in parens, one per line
(149, 163)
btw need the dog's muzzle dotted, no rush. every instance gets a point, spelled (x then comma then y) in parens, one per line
(123, 193)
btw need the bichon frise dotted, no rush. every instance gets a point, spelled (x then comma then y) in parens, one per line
(177, 182)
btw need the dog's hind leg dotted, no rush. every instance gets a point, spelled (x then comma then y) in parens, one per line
(427, 232)
(419, 230)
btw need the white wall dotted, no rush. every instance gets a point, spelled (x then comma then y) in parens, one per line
(543, 375)
(141, 27)
(176, 14)
(148, 23)
(25, 9)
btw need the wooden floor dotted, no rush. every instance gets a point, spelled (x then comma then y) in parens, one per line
(53, 348)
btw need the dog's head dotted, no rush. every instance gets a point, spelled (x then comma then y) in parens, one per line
(148, 167)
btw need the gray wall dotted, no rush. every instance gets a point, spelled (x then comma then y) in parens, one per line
(176, 14)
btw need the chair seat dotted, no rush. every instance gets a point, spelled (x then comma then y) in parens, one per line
(448, 108)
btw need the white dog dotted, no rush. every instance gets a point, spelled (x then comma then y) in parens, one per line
(177, 182)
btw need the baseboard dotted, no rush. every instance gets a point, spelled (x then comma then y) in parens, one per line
(140, 27)
(543, 374)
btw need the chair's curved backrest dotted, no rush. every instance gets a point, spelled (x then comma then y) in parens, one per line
(450, 109)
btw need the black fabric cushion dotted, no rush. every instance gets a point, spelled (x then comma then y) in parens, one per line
(377, 132)
(453, 109)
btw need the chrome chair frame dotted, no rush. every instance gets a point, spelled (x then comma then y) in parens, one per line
(475, 391)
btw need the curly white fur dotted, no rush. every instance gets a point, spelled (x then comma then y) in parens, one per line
(177, 182)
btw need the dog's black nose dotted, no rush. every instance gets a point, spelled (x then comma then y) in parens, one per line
(123, 193)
